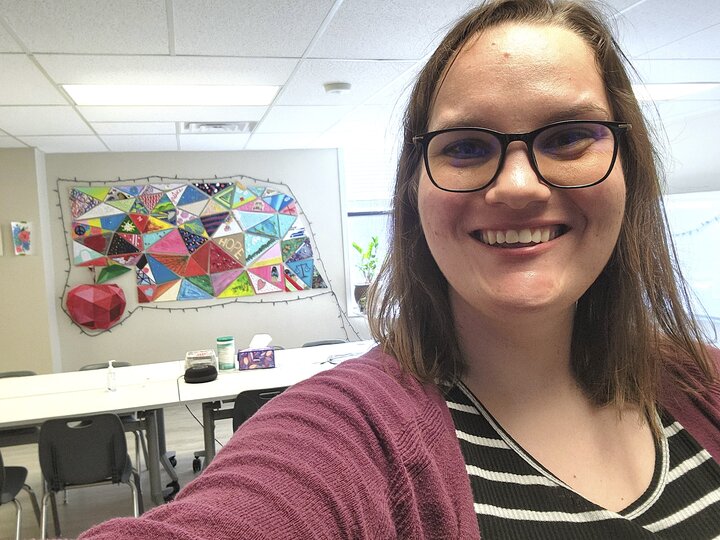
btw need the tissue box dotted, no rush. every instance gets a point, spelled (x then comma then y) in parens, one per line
(256, 358)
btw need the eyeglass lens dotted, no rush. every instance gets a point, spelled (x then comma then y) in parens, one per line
(572, 154)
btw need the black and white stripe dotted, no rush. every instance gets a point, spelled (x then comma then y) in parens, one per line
(516, 497)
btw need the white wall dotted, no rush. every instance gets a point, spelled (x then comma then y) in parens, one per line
(151, 335)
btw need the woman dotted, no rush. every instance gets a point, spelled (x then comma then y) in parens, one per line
(537, 375)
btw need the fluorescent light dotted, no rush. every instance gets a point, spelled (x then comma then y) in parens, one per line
(667, 91)
(136, 94)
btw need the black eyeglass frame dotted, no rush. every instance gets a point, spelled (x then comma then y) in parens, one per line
(616, 128)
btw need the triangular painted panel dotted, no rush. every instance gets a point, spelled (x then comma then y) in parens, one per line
(161, 273)
(140, 220)
(225, 197)
(258, 205)
(135, 239)
(267, 278)
(257, 190)
(193, 269)
(249, 219)
(263, 287)
(99, 243)
(172, 243)
(317, 281)
(155, 224)
(284, 223)
(222, 280)
(175, 263)
(98, 193)
(229, 227)
(196, 208)
(101, 210)
(175, 194)
(183, 216)
(150, 198)
(290, 209)
(268, 227)
(303, 270)
(192, 195)
(151, 238)
(192, 241)
(292, 282)
(138, 208)
(128, 226)
(221, 261)
(123, 205)
(211, 188)
(203, 283)
(304, 251)
(243, 196)
(240, 287)
(167, 292)
(212, 222)
(111, 223)
(84, 256)
(189, 291)
(271, 256)
(278, 200)
(202, 257)
(233, 245)
(81, 203)
(119, 246)
(256, 244)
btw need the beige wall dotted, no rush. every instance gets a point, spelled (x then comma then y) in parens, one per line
(25, 333)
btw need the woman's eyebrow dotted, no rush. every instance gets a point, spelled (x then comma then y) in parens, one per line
(583, 111)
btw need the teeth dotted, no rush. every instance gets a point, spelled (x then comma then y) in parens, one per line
(522, 236)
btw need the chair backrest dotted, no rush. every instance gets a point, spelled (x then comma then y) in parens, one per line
(324, 342)
(82, 450)
(249, 402)
(103, 365)
(21, 373)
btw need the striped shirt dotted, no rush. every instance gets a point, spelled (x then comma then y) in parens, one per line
(516, 497)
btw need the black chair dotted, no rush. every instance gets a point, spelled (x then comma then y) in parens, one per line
(18, 436)
(130, 421)
(324, 342)
(249, 402)
(85, 451)
(12, 481)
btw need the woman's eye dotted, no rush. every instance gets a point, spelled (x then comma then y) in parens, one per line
(467, 149)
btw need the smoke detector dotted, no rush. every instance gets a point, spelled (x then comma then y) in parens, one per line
(215, 128)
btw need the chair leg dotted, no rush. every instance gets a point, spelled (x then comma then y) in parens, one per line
(43, 521)
(138, 486)
(34, 501)
(18, 518)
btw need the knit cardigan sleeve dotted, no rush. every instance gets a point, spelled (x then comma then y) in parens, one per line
(359, 451)
(699, 414)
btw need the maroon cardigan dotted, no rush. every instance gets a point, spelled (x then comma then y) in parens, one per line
(361, 451)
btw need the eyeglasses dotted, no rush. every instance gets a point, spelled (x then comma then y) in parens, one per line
(569, 154)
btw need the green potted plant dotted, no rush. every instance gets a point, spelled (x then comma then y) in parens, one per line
(367, 266)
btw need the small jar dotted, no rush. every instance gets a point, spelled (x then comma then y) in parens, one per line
(226, 352)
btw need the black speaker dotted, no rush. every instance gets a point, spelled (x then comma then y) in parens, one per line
(200, 374)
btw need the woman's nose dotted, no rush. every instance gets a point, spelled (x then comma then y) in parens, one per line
(517, 184)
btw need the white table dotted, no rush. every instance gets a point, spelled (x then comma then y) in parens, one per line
(291, 366)
(27, 401)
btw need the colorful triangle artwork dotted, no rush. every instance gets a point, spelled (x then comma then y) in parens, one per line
(111, 223)
(124, 205)
(160, 272)
(233, 245)
(249, 219)
(203, 283)
(302, 269)
(190, 291)
(292, 282)
(171, 243)
(268, 227)
(191, 195)
(151, 238)
(194, 241)
(240, 287)
(222, 280)
(221, 261)
(167, 292)
(229, 227)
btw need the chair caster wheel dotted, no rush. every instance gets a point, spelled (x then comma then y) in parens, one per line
(196, 465)
(175, 487)
(173, 461)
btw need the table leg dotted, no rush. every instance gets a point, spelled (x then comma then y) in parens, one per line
(208, 431)
(153, 465)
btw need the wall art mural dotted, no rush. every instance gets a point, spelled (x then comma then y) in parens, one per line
(194, 240)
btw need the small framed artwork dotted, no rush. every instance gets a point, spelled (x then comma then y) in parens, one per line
(21, 237)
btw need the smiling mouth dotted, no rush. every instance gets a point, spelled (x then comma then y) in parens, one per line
(515, 238)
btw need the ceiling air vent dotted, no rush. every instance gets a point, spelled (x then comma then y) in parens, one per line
(210, 128)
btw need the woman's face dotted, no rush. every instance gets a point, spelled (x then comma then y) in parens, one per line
(516, 78)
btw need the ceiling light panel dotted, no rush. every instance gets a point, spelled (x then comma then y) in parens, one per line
(170, 95)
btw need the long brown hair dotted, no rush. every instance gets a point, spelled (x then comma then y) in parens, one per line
(635, 308)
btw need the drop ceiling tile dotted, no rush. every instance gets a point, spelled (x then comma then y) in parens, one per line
(378, 29)
(140, 143)
(171, 114)
(7, 42)
(248, 28)
(678, 71)
(703, 44)
(652, 25)
(366, 77)
(89, 26)
(42, 120)
(66, 144)
(109, 69)
(9, 142)
(289, 119)
(134, 128)
(282, 141)
(22, 83)
(213, 142)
